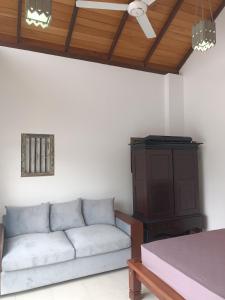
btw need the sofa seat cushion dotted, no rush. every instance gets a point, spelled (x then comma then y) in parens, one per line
(36, 249)
(97, 239)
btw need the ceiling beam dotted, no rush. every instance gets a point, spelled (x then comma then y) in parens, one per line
(19, 17)
(117, 35)
(114, 62)
(164, 29)
(184, 59)
(71, 27)
(190, 50)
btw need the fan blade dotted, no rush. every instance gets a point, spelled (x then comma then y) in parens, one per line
(146, 26)
(148, 2)
(101, 5)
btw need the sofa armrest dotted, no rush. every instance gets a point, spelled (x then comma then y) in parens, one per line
(1, 244)
(134, 228)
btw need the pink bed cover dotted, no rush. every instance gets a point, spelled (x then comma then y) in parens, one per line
(193, 265)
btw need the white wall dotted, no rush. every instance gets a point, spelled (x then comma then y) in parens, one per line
(204, 98)
(92, 109)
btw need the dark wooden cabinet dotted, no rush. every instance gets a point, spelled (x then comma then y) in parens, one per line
(165, 188)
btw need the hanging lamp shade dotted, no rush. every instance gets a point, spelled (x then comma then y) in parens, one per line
(204, 35)
(204, 31)
(38, 12)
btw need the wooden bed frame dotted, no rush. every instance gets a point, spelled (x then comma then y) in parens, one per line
(1, 244)
(138, 274)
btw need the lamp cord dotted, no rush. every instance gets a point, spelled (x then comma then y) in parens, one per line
(200, 6)
(210, 9)
(197, 6)
(203, 10)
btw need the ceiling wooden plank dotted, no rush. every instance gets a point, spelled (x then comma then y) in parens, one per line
(189, 52)
(117, 34)
(159, 37)
(19, 16)
(113, 62)
(106, 36)
(71, 27)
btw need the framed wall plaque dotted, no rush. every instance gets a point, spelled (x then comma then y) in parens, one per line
(37, 155)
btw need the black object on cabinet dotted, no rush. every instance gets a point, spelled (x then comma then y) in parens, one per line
(165, 186)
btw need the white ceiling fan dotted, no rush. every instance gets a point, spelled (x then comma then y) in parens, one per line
(137, 9)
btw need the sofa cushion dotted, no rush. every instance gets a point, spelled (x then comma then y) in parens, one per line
(27, 219)
(97, 239)
(99, 211)
(66, 215)
(37, 249)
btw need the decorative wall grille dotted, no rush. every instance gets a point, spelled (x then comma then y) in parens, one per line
(37, 155)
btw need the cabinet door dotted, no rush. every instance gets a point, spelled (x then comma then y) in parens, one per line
(139, 182)
(186, 181)
(160, 183)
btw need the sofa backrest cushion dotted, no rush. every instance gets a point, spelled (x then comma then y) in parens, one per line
(99, 211)
(66, 215)
(28, 219)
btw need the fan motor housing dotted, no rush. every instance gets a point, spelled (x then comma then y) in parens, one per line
(137, 8)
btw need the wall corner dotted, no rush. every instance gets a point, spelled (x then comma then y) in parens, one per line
(173, 104)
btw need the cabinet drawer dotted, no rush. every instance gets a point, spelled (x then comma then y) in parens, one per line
(172, 227)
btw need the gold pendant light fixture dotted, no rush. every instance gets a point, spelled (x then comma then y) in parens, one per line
(38, 12)
(204, 31)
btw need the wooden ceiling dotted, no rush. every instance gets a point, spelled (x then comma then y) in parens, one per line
(108, 37)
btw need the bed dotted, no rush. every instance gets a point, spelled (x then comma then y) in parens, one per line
(190, 267)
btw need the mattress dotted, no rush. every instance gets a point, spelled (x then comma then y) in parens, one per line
(193, 265)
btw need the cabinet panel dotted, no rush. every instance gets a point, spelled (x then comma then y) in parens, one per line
(139, 182)
(160, 183)
(186, 181)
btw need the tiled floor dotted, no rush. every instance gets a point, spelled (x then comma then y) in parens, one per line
(108, 286)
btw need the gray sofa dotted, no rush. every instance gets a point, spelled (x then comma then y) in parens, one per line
(46, 244)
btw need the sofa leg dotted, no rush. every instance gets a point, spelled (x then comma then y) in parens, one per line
(134, 286)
